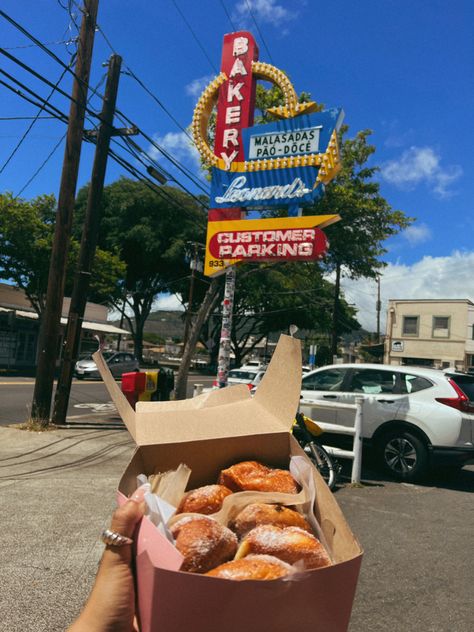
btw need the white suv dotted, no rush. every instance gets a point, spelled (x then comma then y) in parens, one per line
(415, 418)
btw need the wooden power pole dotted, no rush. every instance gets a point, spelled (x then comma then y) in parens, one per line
(378, 307)
(89, 239)
(51, 317)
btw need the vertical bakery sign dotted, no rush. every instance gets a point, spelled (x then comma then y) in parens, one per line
(283, 164)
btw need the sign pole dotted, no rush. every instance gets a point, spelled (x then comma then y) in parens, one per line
(227, 313)
(283, 163)
(235, 110)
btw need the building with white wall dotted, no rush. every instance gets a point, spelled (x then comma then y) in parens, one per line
(430, 332)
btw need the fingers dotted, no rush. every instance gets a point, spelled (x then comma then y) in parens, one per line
(126, 517)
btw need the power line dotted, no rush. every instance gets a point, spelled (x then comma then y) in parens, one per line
(258, 30)
(26, 118)
(174, 161)
(227, 14)
(42, 78)
(48, 157)
(51, 109)
(198, 41)
(167, 155)
(72, 40)
(30, 126)
(157, 100)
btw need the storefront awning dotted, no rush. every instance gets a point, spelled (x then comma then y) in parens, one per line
(86, 324)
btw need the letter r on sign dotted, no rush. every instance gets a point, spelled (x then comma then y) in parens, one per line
(230, 136)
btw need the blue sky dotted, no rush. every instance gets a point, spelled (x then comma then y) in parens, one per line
(400, 68)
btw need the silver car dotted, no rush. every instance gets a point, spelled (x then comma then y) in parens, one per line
(118, 362)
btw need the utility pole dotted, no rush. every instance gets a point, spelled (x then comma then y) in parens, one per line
(51, 317)
(90, 233)
(195, 263)
(378, 307)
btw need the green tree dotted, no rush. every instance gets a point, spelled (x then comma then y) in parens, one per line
(148, 232)
(367, 218)
(26, 235)
(271, 297)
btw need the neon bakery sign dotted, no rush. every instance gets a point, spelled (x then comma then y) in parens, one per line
(286, 162)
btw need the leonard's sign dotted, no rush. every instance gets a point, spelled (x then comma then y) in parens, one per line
(285, 163)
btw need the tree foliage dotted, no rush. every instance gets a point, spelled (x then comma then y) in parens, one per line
(148, 232)
(367, 218)
(26, 237)
(271, 297)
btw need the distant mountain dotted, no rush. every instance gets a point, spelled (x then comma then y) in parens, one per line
(167, 324)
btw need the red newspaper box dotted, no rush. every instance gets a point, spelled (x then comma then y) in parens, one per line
(133, 384)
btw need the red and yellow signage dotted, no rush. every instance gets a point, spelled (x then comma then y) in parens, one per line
(277, 239)
(284, 163)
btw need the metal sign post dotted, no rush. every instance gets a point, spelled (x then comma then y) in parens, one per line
(283, 163)
(223, 361)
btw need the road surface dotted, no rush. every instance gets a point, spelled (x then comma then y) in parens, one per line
(87, 397)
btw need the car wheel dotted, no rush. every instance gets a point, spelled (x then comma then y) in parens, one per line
(403, 455)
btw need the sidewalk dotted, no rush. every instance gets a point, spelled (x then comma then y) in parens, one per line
(57, 491)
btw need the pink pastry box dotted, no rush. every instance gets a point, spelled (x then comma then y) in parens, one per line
(209, 433)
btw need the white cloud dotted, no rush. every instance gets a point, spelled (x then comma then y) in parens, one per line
(269, 11)
(169, 302)
(417, 234)
(178, 145)
(419, 165)
(195, 88)
(430, 277)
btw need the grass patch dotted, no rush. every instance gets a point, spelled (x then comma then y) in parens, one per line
(35, 425)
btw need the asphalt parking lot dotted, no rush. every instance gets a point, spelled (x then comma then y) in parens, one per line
(58, 493)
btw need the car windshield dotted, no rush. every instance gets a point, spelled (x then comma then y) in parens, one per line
(242, 375)
(108, 354)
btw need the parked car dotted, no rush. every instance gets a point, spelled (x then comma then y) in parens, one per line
(118, 362)
(414, 418)
(251, 376)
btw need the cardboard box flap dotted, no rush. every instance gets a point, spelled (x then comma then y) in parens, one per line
(222, 413)
(122, 404)
(280, 389)
(205, 400)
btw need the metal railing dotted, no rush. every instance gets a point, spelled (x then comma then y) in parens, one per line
(355, 431)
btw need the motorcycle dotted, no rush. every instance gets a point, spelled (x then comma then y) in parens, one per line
(307, 432)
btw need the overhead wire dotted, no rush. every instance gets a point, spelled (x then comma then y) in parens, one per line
(228, 16)
(258, 30)
(174, 161)
(72, 40)
(31, 125)
(25, 118)
(63, 118)
(132, 74)
(198, 41)
(51, 109)
(42, 165)
(52, 152)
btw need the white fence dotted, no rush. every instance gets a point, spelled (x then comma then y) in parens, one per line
(355, 431)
